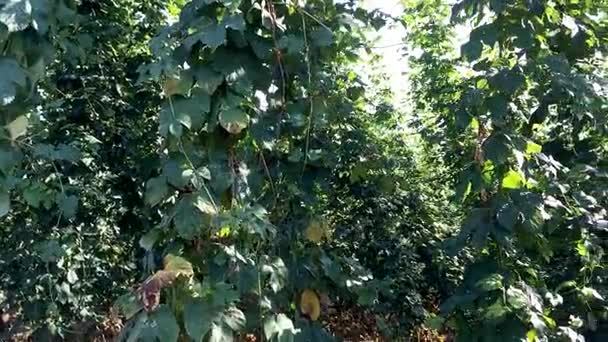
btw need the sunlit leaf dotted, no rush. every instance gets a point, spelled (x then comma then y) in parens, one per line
(490, 283)
(513, 180)
(591, 293)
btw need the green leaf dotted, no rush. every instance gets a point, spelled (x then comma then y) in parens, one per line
(166, 327)
(5, 203)
(508, 81)
(496, 312)
(187, 219)
(234, 318)
(293, 44)
(221, 178)
(465, 184)
(156, 191)
(513, 180)
(471, 50)
(50, 251)
(286, 329)
(235, 22)
(136, 331)
(554, 298)
(537, 322)
(148, 240)
(485, 33)
(435, 322)
(17, 127)
(531, 335)
(231, 5)
(234, 120)
(322, 37)
(184, 112)
(15, 14)
(72, 277)
(247, 278)
(270, 327)
(261, 47)
(175, 175)
(532, 148)
(498, 106)
(457, 301)
(207, 79)
(498, 6)
(278, 274)
(212, 35)
(66, 152)
(534, 220)
(490, 283)
(508, 216)
(128, 305)
(279, 326)
(198, 317)
(223, 294)
(204, 204)
(12, 77)
(59, 152)
(43, 15)
(516, 298)
(9, 157)
(331, 268)
(566, 285)
(200, 175)
(497, 148)
(591, 293)
(68, 205)
(220, 333)
(35, 194)
(193, 109)
(168, 123)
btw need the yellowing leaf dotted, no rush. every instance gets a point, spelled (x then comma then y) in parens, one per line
(178, 265)
(314, 232)
(317, 231)
(310, 305)
(17, 127)
(175, 86)
(170, 86)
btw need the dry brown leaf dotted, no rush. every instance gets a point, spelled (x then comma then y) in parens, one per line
(310, 305)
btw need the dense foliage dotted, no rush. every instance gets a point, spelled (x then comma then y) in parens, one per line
(524, 108)
(218, 170)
